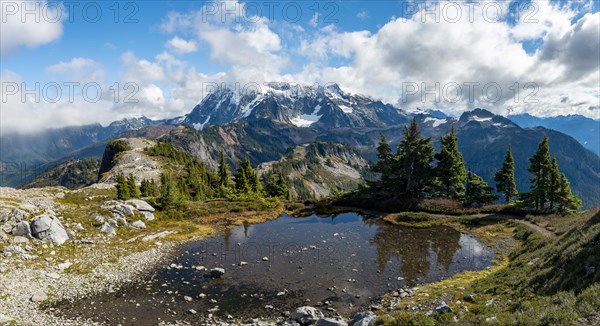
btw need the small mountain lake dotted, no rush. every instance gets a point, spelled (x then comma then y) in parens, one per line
(345, 259)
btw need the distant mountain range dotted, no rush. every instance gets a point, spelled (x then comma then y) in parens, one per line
(585, 130)
(263, 125)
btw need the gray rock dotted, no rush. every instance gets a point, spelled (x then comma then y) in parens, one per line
(53, 275)
(121, 220)
(443, 308)
(71, 234)
(22, 229)
(364, 318)
(124, 209)
(138, 224)
(289, 323)
(79, 227)
(39, 296)
(106, 228)
(112, 223)
(14, 249)
(331, 322)
(307, 315)
(15, 215)
(148, 215)
(99, 219)
(47, 227)
(140, 205)
(19, 239)
(217, 272)
(3, 236)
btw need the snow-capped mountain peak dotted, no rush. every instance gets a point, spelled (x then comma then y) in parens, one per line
(293, 104)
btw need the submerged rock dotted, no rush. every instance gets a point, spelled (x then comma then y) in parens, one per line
(217, 272)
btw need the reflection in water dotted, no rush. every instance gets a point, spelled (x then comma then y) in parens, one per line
(418, 249)
(344, 259)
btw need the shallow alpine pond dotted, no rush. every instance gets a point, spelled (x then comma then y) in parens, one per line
(341, 262)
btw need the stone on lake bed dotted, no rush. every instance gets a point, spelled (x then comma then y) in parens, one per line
(217, 272)
(265, 258)
(187, 298)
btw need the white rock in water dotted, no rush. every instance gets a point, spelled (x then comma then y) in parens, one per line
(47, 227)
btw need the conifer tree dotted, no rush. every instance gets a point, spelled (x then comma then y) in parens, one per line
(554, 184)
(450, 169)
(277, 187)
(170, 196)
(384, 158)
(566, 199)
(224, 174)
(477, 190)
(122, 188)
(505, 178)
(241, 181)
(413, 164)
(539, 183)
(134, 191)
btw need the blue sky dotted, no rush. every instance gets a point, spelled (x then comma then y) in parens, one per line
(169, 49)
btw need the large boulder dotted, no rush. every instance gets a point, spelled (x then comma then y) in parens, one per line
(364, 318)
(124, 210)
(307, 315)
(22, 229)
(47, 227)
(140, 205)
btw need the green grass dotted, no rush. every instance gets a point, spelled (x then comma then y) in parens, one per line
(541, 281)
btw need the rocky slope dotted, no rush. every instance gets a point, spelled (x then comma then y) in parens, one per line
(318, 169)
(71, 174)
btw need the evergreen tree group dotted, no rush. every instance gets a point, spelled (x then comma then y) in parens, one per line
(549, 188)
(410, 172)
(126, 187)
